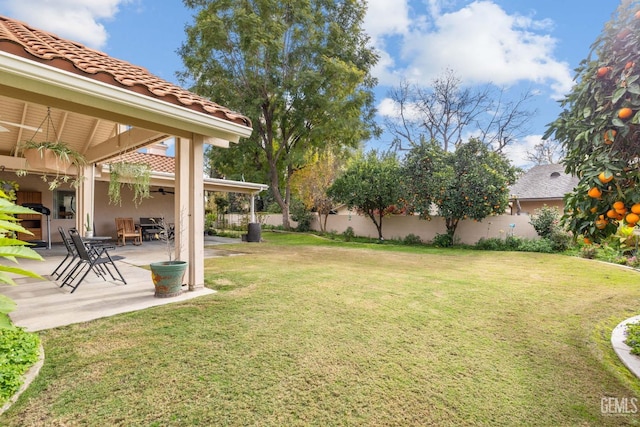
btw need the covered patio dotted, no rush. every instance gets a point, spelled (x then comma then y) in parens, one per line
(42, 304)
(103, 108)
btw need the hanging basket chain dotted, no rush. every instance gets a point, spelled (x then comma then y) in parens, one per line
(49, 122)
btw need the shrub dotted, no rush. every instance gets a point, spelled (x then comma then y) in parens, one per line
(348, 234)
(18, 352)
(412, 239)
(442, 241)
(633, 338)
(301, 215)
(489, 244)
(545, 221)
(536, 245)
(514, 243)
(560, 240)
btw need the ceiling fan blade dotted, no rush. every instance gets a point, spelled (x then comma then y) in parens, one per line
(19, 126)
(3, 129)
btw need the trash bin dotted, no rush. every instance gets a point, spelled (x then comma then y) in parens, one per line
(254, 232)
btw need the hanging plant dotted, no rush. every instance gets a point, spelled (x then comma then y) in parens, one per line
(52, 156)
(137, 176)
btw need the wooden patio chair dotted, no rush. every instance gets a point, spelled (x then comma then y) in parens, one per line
(126, 228)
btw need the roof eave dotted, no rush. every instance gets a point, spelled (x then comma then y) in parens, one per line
(210, 184)
(46, 85)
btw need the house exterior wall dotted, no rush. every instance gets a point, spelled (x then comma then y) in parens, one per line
(104, 213)
(528, 207)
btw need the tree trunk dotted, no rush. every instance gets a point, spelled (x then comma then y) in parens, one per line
(323, 224)
(377, 223)
(275, 189)
(452, 225)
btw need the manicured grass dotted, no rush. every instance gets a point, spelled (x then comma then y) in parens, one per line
(310, 332)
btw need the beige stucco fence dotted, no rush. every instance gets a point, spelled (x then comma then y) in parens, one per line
(399, 226)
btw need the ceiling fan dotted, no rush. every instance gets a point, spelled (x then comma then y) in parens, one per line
(162, 191)
(4, 129)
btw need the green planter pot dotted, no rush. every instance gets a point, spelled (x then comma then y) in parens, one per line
(167, 277)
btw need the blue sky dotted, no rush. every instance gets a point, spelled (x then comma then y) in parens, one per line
(517, 44)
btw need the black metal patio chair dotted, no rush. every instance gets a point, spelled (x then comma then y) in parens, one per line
(95, 258)
(71, 255)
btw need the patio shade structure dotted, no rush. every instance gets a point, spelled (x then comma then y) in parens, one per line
(104, 107)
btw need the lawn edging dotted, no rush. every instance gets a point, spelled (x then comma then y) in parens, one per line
(618, 337)
(28, 378)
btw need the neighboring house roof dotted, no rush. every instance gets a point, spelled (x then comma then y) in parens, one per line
(163, 174)
(544, 182)
(157, 162)
(22, 40)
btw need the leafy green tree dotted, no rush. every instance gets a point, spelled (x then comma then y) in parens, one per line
(471, 182)
(599, 129)
(300, 69)
(371, 185)
(312, 182)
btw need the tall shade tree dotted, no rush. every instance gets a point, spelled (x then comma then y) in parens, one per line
(300, 69)
(312, 182)
(599, 128)
(447, 110)
(371, 185)
(470, 183)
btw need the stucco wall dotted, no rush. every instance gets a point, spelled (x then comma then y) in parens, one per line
(528, 207)
(105, 213)
(399, 226)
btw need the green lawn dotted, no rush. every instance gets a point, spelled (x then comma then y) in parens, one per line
(305, 331)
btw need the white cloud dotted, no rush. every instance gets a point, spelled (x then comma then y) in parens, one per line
(517, 151)
(386, 17)
(480, 42)
(76, 20)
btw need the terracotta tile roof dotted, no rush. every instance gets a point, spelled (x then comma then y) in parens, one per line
(19, 39)
(157, 162)
(544, 182)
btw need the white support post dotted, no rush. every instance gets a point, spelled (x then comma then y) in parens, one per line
(85, 199)
(189, 208)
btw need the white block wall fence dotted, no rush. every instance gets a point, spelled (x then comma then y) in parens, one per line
(399, 226)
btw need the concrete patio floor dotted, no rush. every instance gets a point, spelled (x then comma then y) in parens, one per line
(42, 304)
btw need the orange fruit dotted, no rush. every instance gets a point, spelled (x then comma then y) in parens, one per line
(632, 218)
(636, 208)
(587, 241)
(612, 214)
(602, 223)
(618, 205)
(625, 113)
(605, 177)
(595, 193)
(594, 209)
(603, 71)
(609, 136)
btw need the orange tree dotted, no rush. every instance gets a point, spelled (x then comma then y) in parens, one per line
(371, 184)
(599, 128)
(469, 183)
